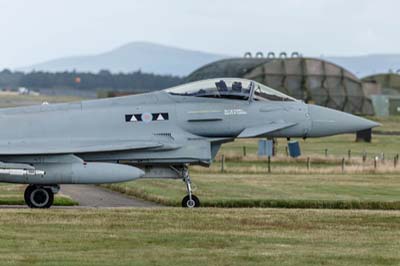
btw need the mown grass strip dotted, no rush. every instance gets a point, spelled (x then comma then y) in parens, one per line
(13, 194)
(265, 203)
(304, 204)
(202, 237)
(58, 201)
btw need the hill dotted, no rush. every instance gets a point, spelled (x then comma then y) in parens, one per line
(143, 56)
(166, 60)
(368, 64)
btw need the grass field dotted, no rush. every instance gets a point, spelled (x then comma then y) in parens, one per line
(199, 237)
(389, 124)
(246, 182)
(337, 146)
(14, 195)
(25, 100)
(360, 191)
(211, 236)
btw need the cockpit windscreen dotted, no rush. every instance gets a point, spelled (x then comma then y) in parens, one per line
(264, 93)
(229, 88)
(221, 88)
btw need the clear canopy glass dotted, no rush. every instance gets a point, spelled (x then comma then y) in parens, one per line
(229, 88)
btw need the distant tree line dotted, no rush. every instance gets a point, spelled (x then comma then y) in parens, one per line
(135, 81)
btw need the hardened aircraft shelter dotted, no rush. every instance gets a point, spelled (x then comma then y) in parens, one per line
(310, 79)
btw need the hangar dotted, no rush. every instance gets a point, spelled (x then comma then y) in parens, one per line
(310, 79)
(386, 99)
(388, 82)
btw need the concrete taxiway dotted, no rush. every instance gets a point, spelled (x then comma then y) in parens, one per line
(94, 196)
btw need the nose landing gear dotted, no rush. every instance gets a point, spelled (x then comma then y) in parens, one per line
(190, 200)
(42, 197)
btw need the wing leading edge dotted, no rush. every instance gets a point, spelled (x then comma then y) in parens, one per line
(58, 146)
(253, 132)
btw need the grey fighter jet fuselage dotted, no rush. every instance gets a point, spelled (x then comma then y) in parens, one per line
(150, 135)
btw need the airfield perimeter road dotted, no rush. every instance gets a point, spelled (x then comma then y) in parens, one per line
(93, 196)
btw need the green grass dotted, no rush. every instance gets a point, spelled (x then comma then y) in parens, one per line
(25, 100)
(246, 182)
(388, 123)
(199, 237)
(362, 191)
(14, 195)
(337, 146)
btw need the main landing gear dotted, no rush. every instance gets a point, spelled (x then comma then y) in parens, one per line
(37, 196)
(190, 200)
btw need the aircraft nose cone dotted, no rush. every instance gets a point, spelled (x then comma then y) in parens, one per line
(326, 122)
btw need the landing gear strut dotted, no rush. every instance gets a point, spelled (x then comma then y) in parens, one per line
(190, 200)
(42, 197)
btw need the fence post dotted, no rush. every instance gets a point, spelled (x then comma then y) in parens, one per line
(326, 152)
(343, 163)
(308, 163)
(364, 157)
(244, 151)
(395, 160)
(287, 151)
(375, 162)
(222, 163)
(349, 154)
(269, 164)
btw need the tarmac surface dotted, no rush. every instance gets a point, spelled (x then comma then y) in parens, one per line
(89, 196)
(94, 196)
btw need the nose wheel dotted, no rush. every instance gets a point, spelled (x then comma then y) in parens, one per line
(194, 202)
(39, 196)
(190, 200)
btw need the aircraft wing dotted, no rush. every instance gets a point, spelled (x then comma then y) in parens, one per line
(253, 132)
(60, 146)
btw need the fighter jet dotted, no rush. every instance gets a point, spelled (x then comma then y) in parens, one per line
(152, 135)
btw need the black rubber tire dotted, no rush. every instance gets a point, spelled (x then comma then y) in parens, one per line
(27, 194)
(187, 204)
(47, 192)
(51, 200)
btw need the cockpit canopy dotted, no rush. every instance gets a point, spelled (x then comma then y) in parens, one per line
(229, 88)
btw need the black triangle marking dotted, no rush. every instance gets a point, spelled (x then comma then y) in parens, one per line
(138, 117)
(165, 115)
(128, 118)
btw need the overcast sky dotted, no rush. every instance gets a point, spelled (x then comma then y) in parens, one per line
(35, 31)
